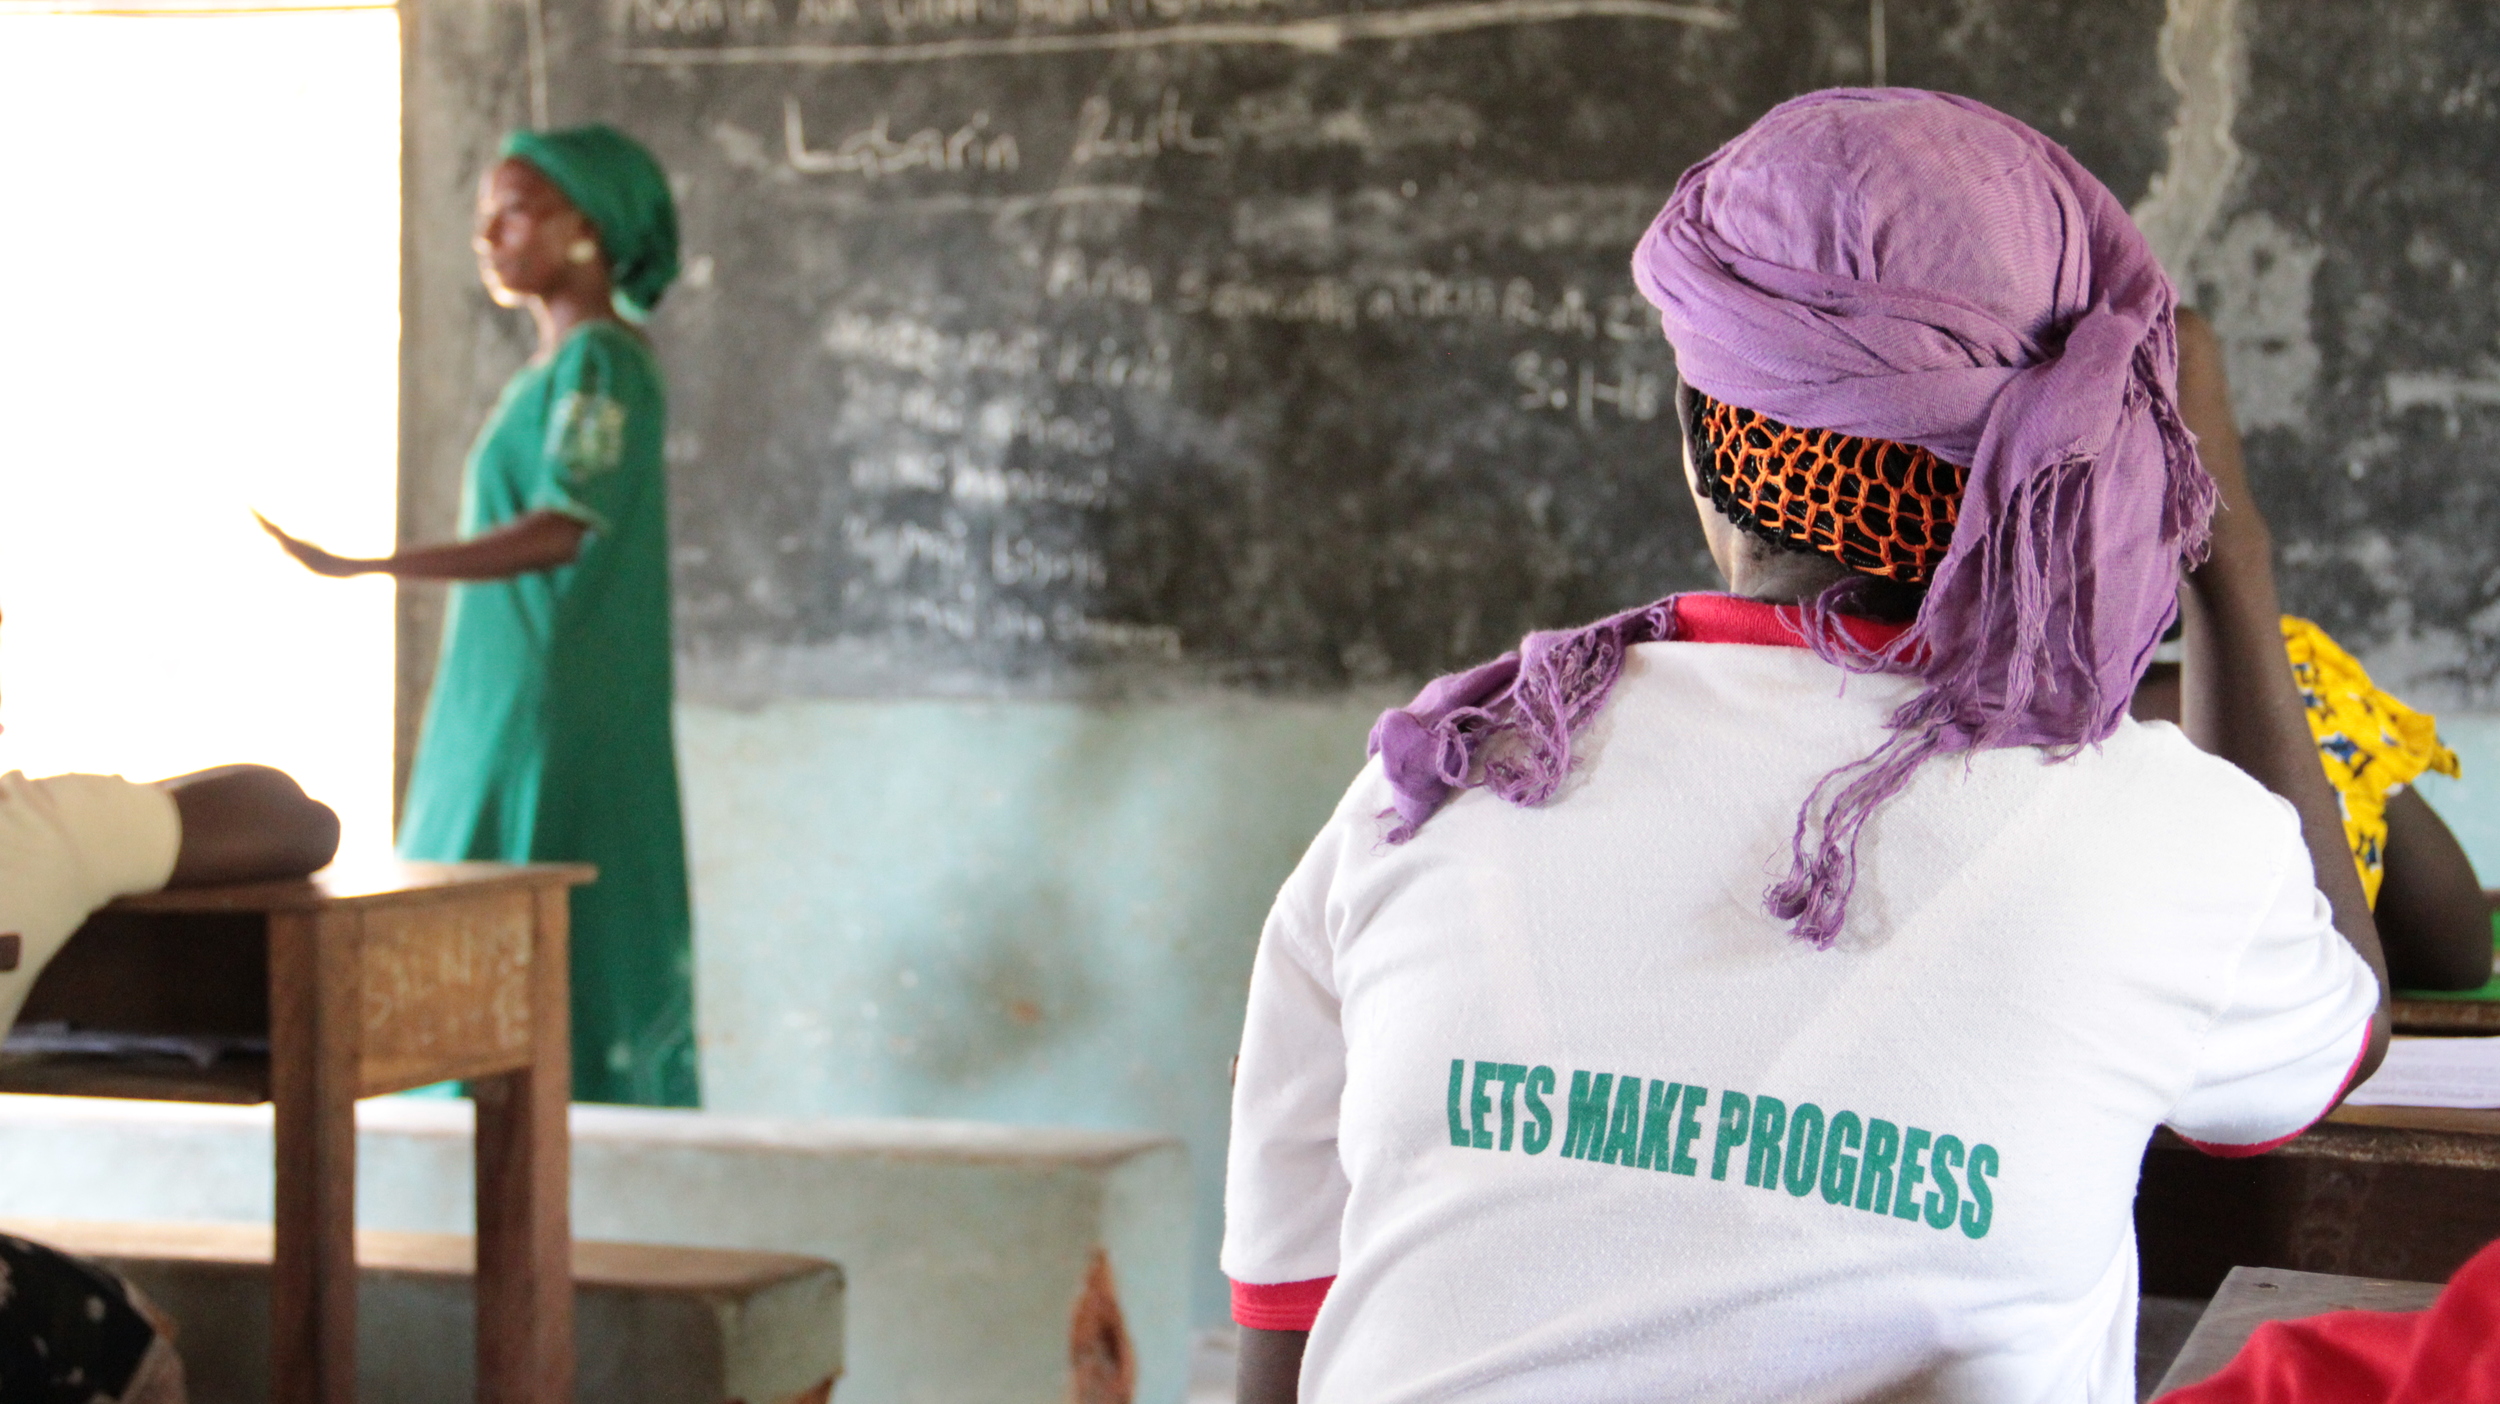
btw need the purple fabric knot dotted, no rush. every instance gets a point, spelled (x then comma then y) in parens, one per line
(1507, 725)
(1917, 267)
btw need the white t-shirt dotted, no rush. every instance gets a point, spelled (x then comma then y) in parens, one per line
(68, 845)
(1567, 1116)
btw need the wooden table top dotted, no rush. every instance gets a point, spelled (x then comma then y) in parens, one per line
(359, 883)
(2251, 1297)
(2445, 1016)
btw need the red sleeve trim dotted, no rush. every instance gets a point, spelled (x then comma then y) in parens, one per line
(1279, 1306)
(2228, 1151)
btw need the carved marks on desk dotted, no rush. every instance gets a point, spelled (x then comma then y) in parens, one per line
(445, 993)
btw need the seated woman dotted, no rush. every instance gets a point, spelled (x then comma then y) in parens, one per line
(2432, 916)
(69, 1330)
(1543, 1096)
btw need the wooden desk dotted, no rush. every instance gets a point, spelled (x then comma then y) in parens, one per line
(2445, 1016)
(2394, 1193)
(2250, 1297)
(365, 980)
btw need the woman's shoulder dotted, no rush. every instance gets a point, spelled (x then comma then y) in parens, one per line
(608, 353)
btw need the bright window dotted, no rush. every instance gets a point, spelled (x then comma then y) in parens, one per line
(199, 303)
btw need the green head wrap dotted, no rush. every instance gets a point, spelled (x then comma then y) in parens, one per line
(622, 191)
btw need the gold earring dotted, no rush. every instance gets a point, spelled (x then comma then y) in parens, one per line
(582, 251)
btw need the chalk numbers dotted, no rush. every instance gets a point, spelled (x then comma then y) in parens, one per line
(1564, 386)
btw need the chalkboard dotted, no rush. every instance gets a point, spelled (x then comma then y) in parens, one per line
(1050, 347)
(2355, 277)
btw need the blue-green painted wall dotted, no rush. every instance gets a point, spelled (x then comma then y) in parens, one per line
(1020, 912)
(1042, 912)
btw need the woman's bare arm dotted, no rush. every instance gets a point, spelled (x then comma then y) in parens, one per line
(534, 541)
(2237, 698)
(1271, 1366)
(2431, 911)
(248, 823)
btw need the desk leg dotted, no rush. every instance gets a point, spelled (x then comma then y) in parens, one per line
(524, 1215)
(313, 1018)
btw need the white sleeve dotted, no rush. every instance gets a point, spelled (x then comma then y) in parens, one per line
(1284, 1187)
(122, 837)
(2291, 1030)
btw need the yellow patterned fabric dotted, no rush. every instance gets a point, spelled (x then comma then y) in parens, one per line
(2370, 743)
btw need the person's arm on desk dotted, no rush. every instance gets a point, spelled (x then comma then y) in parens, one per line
(248, 823)
(2237, 698)
(2431, 910)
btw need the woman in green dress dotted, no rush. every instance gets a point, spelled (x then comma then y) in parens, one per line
(548, 736)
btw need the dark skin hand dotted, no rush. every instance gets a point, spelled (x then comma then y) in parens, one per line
(530, 542)
(534, 251)
(2237, 698)
(248, 823)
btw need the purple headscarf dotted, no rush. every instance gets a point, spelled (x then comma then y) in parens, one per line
(1917, 267)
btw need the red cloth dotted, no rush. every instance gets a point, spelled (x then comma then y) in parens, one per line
(2449, 1354)
(1705, 618)
(1279, 1306)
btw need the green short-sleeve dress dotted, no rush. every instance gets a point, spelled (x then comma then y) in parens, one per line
(548, 734)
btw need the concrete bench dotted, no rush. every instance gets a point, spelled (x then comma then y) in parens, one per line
(984, 1264)
(653, 1325)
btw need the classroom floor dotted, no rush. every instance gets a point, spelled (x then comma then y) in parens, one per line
(2161, 1327)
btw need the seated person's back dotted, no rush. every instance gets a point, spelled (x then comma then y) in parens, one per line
(1913, 1152)
(1543, 1095)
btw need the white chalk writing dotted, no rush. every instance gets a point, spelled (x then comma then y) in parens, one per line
(872, 151)
(955, 473)
(1111, 26)
(1158, 639)
(1403, 294)
(891, 550)
(698, 16)
(907, 344)
(994, 487)
(1113, 279)
(1286, 120)
(1568, 387)
(1017, 561)
(1101, 135)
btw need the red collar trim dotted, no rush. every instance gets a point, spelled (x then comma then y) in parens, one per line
(1729, 619)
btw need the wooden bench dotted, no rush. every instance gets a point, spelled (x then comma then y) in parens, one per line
(654, 1325)
(969, 1248)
